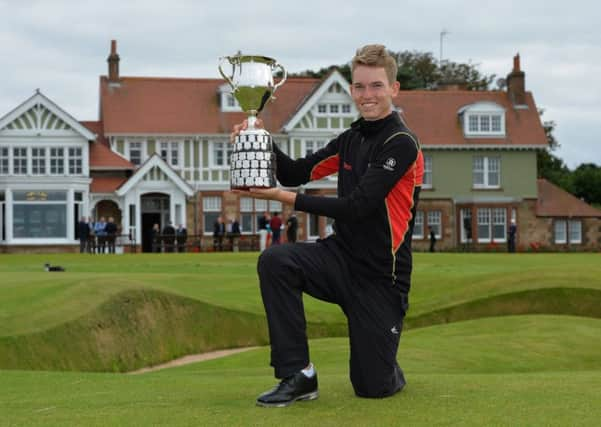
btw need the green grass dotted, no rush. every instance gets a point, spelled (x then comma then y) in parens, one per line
(519, 370)
(114, 313)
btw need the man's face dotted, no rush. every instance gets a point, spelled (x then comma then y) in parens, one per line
(372, 92)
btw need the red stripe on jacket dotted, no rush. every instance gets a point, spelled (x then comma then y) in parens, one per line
(399, 203)
(419, 169)
(325, 167)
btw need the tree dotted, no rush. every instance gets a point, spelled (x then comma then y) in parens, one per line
(420, 70)
(587, 183)
(549, 166)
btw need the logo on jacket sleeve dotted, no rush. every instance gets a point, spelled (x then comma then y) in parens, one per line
(389, 164)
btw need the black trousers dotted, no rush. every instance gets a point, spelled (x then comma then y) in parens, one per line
(374, 312)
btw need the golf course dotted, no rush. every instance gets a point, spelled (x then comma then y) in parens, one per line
(489, 339)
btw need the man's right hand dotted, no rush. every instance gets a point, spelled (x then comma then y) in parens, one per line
(236, 129)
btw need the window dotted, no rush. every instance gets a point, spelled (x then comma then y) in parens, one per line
(346, 108)
(499, 224)
(135, 153)
(228, 100)
(38, 161)
(40, 214)
(322, 108)
(222, 152)
(568, 231)
(275, 206)
(4, 161)
(334, 108)
(427, 172)
(561, 232)
(486, 172)
(492, 225)
(231, 101)
(434, 222)
(575, 228)
(132, 221)
(483, 225)
(19, 161)
(248, 216)
(57, 161)
(418, 226)
(169, 152)
(211, 208)
(75, 161)
(485, 124)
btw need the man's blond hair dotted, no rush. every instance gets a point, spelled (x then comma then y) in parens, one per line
(376, 55)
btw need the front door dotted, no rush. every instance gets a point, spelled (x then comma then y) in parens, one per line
(148, 221)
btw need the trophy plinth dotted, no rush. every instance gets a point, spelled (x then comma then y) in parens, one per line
(253, 162)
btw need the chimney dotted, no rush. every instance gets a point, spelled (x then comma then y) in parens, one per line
(516, 83)
(113, 61)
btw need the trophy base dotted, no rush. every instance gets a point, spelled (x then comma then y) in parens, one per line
(253, 161)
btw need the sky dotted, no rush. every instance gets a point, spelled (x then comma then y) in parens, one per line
(61, 46)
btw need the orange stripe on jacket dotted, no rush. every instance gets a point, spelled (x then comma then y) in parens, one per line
(419, 169)
(399, 203)
(326, 167)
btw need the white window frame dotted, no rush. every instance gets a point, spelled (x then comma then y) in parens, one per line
(75, 160)
(170, 147)
(560, 231)
(573, 225)
(135, 146)
(487, 162)
(313, 144)
(499, 218)
(5, 161)
(419, 222)
(435, 219)
(479, 119)
(481, 223)
(427, 180)
(226, 149)
(18, 171)
(59, 157)
(229, 103)
(212, 205)
(39, 162)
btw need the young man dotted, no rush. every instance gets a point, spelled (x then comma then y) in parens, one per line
(365, 266)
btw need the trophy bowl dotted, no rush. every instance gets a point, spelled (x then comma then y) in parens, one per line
(253, 162)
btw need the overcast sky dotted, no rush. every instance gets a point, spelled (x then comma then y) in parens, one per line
(61, 46)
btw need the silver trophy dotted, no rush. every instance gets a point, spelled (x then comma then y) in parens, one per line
(253, 160)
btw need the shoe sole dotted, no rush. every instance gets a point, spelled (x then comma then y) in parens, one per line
(309, 396)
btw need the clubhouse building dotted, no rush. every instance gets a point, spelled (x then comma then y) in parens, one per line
(159, 152)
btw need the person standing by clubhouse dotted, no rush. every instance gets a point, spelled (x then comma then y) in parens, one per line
(365, 266)
(84, 234)
(100, 232)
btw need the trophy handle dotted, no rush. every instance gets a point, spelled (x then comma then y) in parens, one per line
(285, 75)
(227, 78)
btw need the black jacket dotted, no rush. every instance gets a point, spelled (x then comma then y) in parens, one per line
(376, 165)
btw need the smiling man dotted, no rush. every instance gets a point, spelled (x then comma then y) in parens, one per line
(365, 266)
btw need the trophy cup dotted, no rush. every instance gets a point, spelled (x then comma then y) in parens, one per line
(253, 161)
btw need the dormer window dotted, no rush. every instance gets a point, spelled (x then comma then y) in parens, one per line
(483, 119)
(229, 103)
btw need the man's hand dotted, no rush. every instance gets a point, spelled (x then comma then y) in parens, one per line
(236, 129)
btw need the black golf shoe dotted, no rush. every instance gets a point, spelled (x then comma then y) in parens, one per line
(289, 390)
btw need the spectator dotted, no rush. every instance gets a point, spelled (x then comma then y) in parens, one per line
(432, 240)
(181, 235)
(84, 234)
(218, 234)
(291, 228)
(100, 231)
(169, 237)
(111, 234)
(263, 231)
(156, 238)
(276, 228)
(511, 237)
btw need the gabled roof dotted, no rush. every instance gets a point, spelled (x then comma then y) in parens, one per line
(556, 202)
(155, 161)
(101, 155)
(39, 113)
(434, 117)
(140, 105)
(318, 92)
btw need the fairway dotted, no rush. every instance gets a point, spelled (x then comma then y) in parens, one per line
(502, 367)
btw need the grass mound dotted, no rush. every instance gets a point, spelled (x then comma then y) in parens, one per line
(138, 328)
(566, 301)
